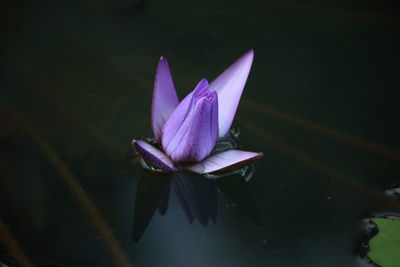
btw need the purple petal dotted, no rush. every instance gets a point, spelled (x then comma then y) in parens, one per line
(191, 132)
(165, 99)
(153, 156)
(172, 125)
(229, 86)
(226, 161)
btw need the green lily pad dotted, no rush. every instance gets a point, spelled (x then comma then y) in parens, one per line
(397, 190)
(385, 246)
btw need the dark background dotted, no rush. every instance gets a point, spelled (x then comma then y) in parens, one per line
(321, 102)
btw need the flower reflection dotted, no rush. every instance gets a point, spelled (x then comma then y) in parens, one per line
(197, 197)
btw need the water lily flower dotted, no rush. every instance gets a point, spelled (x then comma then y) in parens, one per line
(186, 132)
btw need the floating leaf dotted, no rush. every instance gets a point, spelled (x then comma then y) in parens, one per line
(385, 246)
(397, 190)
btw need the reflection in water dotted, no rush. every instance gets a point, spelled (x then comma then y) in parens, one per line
(197, 196)
(152, 195)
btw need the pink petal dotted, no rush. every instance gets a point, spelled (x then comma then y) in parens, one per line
(226, 161)
(165, 99)
(153, 156)
(229, 86)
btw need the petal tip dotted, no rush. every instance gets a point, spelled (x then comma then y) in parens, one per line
(163, 63)
(202, 84)
(249, 55)
(133, 143)
(204, 80)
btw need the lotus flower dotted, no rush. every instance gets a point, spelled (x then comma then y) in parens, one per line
(186, 132)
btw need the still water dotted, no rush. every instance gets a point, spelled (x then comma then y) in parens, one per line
(321, 102)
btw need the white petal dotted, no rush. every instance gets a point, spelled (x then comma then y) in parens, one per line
(229, 86)
(226, 161)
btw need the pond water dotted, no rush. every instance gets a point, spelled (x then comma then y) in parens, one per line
(321, 102)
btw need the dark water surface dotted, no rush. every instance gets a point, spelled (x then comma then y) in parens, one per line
(321, 102)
